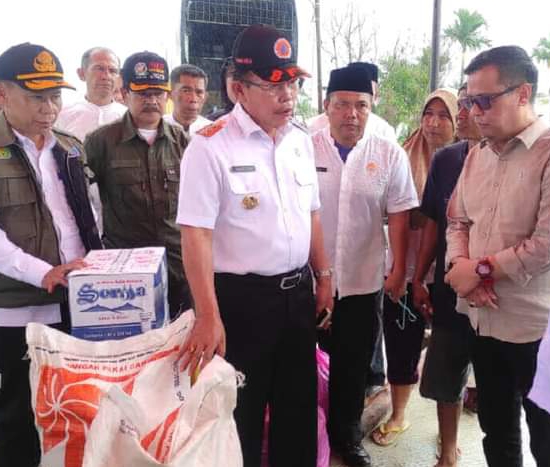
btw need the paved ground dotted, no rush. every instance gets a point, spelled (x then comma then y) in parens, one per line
(416, 447)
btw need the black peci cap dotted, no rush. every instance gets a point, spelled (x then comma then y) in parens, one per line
(355, 79)
(370, 67)
(266, 52)
(145, 70)
(33, 67)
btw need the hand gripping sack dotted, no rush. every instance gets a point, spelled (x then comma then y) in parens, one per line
(126, 403)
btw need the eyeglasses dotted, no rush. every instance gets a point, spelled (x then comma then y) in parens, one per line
(274, 89)
(484, 101)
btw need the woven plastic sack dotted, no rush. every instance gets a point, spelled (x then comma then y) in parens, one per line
(126, 403)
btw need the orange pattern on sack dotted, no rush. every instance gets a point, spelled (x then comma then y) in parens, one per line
(67, 403)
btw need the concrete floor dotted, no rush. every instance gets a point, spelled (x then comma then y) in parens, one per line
(417, 446)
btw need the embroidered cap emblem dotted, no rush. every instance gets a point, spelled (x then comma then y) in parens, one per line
(44, 62)
(5, 153)
(282, 48)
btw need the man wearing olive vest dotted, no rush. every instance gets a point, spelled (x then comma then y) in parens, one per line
(46, 227)
(136, 162)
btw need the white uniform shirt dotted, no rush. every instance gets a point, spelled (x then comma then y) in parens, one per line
(197, 125)
(376, 125)
(375, 180)
(241, 162)
(83, 117)
(20, 265)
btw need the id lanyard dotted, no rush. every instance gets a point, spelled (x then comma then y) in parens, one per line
(406, 314)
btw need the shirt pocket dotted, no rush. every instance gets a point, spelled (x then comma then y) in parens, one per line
(245, 194)
(18, 206)
(305, 181)
(172, 184)
(128, 190)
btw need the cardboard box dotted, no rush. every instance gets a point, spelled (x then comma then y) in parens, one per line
(120, 294)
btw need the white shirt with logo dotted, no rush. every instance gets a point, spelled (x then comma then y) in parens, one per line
(375, 180)
(256, 194)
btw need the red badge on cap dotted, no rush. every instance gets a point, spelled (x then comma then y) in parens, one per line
(282, 48)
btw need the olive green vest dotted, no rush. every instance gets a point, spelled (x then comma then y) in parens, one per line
(25, 219)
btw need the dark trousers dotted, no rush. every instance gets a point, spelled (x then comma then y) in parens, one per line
(271, 339)
(354, 330)
(504, 374)
(376, 375)
(403, 335)
(19, 445)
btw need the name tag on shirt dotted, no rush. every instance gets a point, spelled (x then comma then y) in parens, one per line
(243, 168)
(322, 169)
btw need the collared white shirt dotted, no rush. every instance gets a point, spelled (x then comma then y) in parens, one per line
(376, 125)
(83, 117)
(24, 267)
(240, 166)
(197, 125)
(375, 180)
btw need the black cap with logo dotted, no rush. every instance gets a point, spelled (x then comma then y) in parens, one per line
(33, 67)
(266, 52)
(145, 70)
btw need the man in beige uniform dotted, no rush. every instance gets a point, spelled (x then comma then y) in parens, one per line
(499, 249)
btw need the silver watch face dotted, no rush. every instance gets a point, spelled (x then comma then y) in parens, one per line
(483, 269)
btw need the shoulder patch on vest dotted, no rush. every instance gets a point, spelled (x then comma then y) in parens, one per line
(212, 129)
(5, 153)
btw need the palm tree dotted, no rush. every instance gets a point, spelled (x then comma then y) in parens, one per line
(466, 30)
(541, 52)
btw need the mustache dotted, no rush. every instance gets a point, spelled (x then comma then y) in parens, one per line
(151, 108)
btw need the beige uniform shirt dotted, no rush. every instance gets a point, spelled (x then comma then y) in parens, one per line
(501, 207)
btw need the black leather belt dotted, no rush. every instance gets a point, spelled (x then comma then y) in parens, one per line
(285, 281)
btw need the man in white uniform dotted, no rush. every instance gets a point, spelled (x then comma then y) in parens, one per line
(46, 226)
(189, 84)
(376, 125)
(99, 69)
(249, 211)
(362, 178)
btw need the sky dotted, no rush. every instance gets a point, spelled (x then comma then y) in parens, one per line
(68, 27)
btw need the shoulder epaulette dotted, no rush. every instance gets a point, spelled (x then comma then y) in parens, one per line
(212, 129)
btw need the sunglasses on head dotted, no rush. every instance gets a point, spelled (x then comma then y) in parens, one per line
(484, 101)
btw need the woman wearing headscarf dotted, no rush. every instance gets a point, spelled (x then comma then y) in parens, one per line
(403, 324)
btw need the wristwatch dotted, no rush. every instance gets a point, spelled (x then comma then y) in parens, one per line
(484, 270)
(323, 273)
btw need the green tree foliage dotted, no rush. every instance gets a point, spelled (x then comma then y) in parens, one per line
(405, 83)
(541, 52)
(467, 31)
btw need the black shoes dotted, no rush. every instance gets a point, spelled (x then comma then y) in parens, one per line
(354, 455)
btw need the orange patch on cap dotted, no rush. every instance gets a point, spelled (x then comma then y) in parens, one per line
(143, 87)
(282, 48)
(372, 166)
(44, 62)
(40, 85)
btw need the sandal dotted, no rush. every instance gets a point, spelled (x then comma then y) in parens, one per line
(382, 431)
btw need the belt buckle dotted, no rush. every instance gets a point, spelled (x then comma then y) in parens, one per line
(289, 282)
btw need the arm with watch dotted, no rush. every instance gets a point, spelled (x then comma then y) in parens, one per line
(319, 264)
(474, 280)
